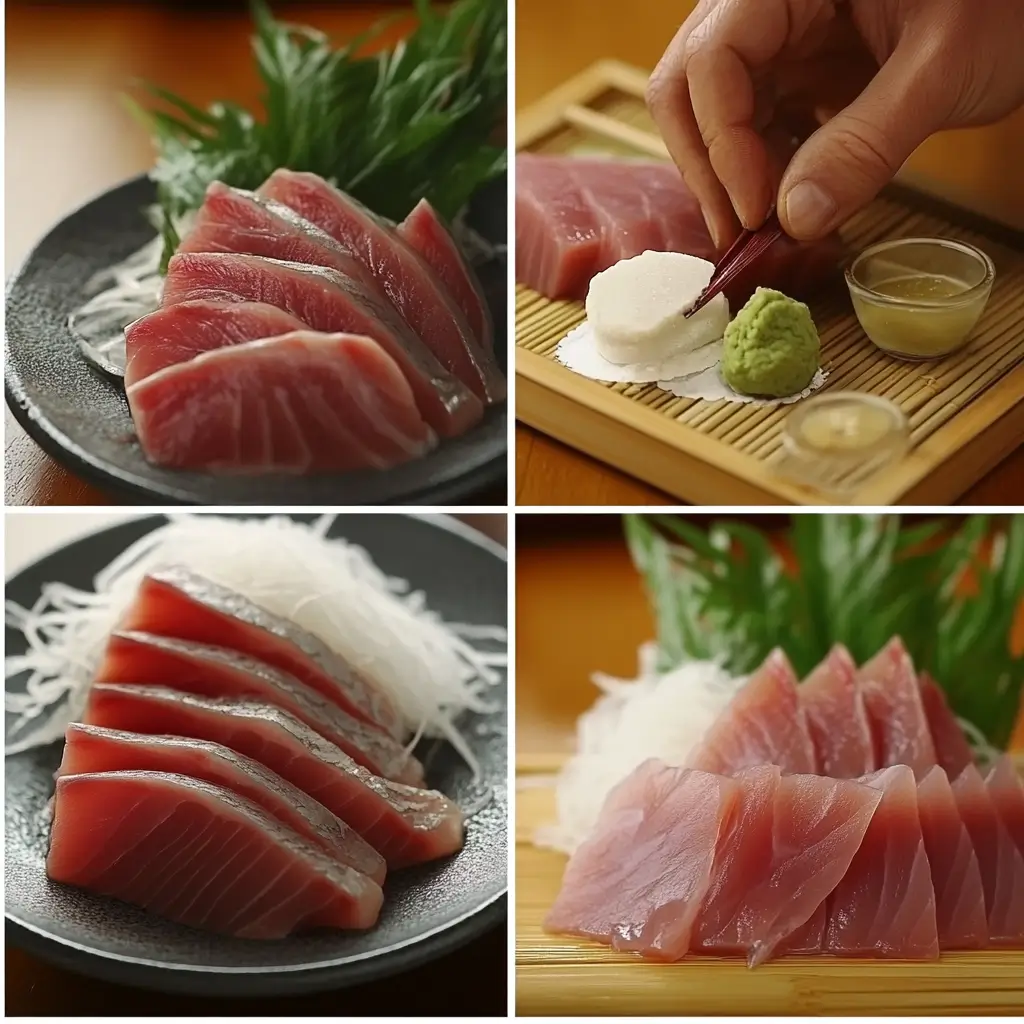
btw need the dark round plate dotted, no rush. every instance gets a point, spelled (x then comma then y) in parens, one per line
(80, 416)
(428, 910)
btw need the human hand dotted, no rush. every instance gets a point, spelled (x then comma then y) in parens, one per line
(744, 82)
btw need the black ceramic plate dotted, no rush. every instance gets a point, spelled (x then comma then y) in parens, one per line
(80, 416)
(427, 911)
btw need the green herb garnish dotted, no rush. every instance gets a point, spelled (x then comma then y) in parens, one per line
(726, 594)
(411, 122)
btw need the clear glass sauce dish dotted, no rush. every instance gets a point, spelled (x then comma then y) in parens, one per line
(920, 298)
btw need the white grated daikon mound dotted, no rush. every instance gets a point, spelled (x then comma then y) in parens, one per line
(431, 668)
(656, 715)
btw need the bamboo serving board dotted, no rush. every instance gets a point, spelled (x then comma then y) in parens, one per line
(966, 411)
(560, 975)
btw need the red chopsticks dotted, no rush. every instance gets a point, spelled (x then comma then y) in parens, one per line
(750, 245)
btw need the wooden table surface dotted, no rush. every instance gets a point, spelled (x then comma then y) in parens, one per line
(69, 138)
(555, 40)
(471, 981)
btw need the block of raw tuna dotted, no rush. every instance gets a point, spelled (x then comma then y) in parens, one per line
(790, 843)
(952, 751)
(427, 233)
(174, 601)
(956, 877)
(176, 334)
(836, 718)
(200, 855)
(763, 724)
(1001, 863)
(404, 824)
(329, 302)
(1007, 793)
(639, 880)
(577, 216)
(210, 671)
(404, 277)
(91, 748)
(892, 698)
(885, 904)
(299, 403)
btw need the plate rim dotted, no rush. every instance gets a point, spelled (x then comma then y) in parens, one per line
(289, 980)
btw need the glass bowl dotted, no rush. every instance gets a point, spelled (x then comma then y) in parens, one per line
(920, 298)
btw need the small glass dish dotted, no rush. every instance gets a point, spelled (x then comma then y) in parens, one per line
(836, 441)
(920, 298)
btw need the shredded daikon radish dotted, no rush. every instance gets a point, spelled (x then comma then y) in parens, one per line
(655, 715)
(329, 587)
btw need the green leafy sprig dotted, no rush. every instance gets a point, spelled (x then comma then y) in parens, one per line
(726, 594)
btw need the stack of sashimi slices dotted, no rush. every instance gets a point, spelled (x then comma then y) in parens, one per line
(232, 773)
(843, 815)
(300, 333)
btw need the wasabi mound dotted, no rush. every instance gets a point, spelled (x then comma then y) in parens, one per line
(771, 347)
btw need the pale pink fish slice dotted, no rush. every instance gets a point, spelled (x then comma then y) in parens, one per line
(956, 877)
(836, 718)
(892, 699)
(1001, 863)
(952, 751)
(1007, 793)
(763, 724)
(639, 880)
(885, 905)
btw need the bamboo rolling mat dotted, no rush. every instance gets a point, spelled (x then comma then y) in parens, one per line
(560, 975)
(966, 411)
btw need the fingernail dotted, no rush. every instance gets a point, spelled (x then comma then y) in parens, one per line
(809, 209)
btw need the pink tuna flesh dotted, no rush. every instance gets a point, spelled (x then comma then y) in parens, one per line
(952, 750)
(1007, 793)
(200, 855)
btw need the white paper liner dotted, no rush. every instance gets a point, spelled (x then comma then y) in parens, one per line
(686, 375)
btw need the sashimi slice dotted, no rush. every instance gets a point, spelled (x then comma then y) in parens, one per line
(763, 724)
(143, 658)
(836, 719)
(427, 233)
(404, 824)
(200, 855)
(176, 334)
(175, 602)
(793, 841)
(807, 939)
(952, 751)
(329, 302)
(298, 403)
(956, 877)
(89, 749)
(892, 700)
(639, 880)
(1001, 863)
(1007, 794)
(885, 904)
(400, 272)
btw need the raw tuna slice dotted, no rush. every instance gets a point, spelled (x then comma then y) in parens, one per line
(176, 602)
(142, 658)
(427, 233)
(791, 842)
(91, 748)
(836, 718)
(885, 905)
(1001, 863)
(1007, 793)
(330, 302)
(763, 724)
(956, 877)
(200, 855)
(892, 699)
(176, 334)
(639, 880)
(809, 938)
(952, 750)
(405, 825)
(401, 273)
(299, 403)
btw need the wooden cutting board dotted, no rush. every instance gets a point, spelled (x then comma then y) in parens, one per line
(966, 411)
(558, 975)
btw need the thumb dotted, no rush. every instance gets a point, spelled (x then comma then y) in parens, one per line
(847, 161)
